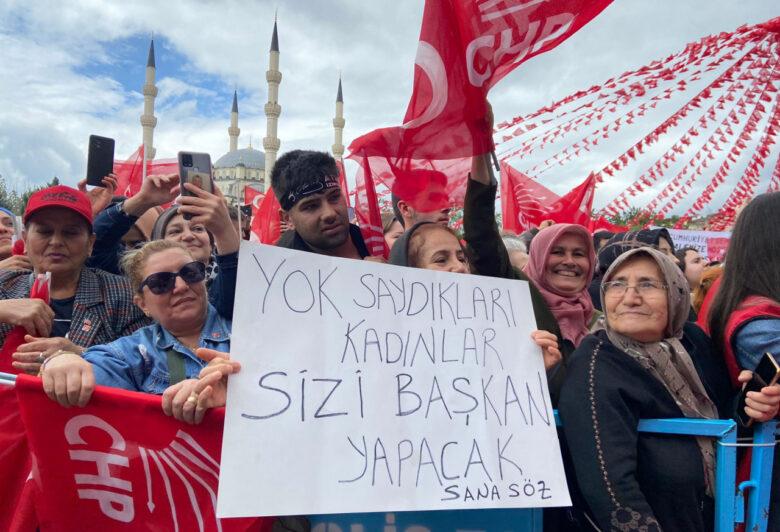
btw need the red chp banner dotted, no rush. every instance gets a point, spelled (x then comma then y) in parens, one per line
(14, 464)
(465, 48)
(525, 203)
(121, 464)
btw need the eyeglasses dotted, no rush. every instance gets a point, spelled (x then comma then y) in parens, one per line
(643, 288)
(163, 282)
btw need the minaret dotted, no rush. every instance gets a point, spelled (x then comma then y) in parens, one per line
(338, 125)
(233, 130)
(272, 108)
(148, 120)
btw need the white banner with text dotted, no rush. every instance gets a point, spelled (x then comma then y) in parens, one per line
(367, 387)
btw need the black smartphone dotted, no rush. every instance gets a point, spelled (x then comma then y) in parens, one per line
(766, 373)
(100, 159)
(195, 168)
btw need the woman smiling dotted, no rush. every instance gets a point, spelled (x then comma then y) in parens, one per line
(170, 288)
(648, 363)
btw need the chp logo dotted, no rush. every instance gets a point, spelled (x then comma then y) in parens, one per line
(178, 481)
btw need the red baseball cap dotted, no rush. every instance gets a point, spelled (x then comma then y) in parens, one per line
(59, 196)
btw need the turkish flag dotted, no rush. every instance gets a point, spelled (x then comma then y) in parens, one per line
(266, 222)
(367, 212)
(465, 48)
(121, 464)
(130, 173)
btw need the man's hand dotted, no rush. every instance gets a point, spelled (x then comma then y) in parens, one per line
(99, 197)
(480, 164)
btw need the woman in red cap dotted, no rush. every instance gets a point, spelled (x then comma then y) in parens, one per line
(87, 306)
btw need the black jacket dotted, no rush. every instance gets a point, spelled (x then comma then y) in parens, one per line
(631, 479)
(489, 256)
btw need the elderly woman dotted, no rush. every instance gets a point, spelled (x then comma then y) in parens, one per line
(169, 288)
(620, 243)
(648, 363)
(87, 306)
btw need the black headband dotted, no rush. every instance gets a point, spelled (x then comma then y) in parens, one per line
(321, 184)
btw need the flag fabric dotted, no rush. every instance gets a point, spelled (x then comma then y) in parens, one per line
(525, 203)
(14, 464)
(130, 173)
(343, 180)
(266, 224)
(367, 212)
(465, 48)
(252, 197)
(121, 464)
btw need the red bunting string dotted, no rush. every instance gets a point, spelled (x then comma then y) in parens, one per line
(750, 127)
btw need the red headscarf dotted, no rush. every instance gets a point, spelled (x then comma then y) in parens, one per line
(573, 312)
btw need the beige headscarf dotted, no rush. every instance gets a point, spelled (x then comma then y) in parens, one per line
(667, 360)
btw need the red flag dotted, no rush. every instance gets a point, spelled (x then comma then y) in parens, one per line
(525, 202)
(121, 464)
(130, 172)
(252, 197)
(465, 48)
(266, 224)
(369, 217)
(14, 462)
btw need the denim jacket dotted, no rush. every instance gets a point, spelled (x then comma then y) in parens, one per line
(139, 362)
(756, 338)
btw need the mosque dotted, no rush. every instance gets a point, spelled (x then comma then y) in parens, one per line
(245, 167)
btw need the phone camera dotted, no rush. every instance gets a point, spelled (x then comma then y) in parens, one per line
(186, 159)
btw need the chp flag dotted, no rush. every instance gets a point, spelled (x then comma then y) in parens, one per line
(121, 464)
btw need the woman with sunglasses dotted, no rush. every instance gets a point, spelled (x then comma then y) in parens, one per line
(169, 288)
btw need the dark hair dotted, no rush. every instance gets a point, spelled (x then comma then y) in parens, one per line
(680, 254)
(598, 236)
(300, 167)
(751, 263)
(396, 211)
(417, 240)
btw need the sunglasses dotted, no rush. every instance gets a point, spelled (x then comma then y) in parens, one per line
(163, 282)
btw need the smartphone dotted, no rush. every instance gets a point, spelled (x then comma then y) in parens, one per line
(766, 373)
(100, 159)
(195, 168)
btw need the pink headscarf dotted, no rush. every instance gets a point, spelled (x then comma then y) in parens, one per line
(573, 312)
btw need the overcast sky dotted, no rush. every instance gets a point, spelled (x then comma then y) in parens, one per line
(70, 69)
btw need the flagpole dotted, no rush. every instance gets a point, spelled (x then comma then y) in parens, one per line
(495, 160)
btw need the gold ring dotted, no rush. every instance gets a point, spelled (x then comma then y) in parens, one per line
(192, 398)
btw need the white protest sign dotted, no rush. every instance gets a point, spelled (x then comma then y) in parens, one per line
(367, 387)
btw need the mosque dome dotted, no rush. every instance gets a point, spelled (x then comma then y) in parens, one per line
(247, 157)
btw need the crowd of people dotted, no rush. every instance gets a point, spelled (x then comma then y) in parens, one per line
(141, 298)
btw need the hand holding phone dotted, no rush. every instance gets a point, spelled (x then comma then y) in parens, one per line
(100, 159)
(767, 373)
(195, 168)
